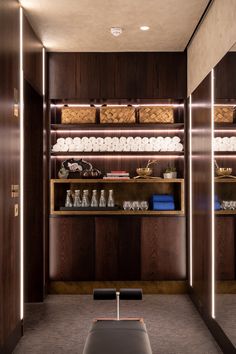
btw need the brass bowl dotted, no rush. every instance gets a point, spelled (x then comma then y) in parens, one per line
(222, 171)
(144, 171)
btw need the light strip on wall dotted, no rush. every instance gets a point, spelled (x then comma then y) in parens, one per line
(118, 156)
(190, 197)
(59, 105)
(91, 131)
(212, 199)
(21, 169)
(43, 71)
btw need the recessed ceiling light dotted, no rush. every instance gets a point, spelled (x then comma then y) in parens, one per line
(144, 28)
(116, 31)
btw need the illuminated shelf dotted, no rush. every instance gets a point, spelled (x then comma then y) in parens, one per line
(118, 153)
(225, 153)
(178, 127)
(225, 212)
(225, 126)
(123, 190)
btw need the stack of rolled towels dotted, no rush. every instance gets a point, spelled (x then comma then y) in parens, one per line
(225, 144)
(162, 202)
(122, 143)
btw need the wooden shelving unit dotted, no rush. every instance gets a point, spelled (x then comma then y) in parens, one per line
(118, 127)
(133, 189)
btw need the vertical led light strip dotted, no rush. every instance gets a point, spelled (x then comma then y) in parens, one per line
(21, 169)
(212, 199)
(190, 197)
(43, 74)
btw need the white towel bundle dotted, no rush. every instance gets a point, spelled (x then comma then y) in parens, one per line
(225, 143)
(129, 143)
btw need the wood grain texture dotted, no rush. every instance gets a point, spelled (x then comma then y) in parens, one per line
(33, 195)
(10, 164)
(117, 75)
(71, 248)
(225, 247)
(201, 193)
(32, 57)
(163, 248)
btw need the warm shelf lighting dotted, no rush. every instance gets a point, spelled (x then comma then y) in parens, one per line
(190, 197)
(118, 156)
(21, 169)
(118, 131)
(59, 105)
(144, 28)
(212, 199)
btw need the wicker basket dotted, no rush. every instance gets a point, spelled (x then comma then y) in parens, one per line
(156, 114)
(77, 115)
(117, 115)
(224, 114)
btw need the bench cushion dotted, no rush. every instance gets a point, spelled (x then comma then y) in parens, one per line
(116, 337)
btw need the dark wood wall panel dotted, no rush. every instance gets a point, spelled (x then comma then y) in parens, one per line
(201, 192)
(163, 248)
(33, 195)
(71, 249)
(32, 57)
(117, 75)
(10, 327)
(34, 163)
(225, 247)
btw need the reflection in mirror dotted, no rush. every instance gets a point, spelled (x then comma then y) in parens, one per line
(225, 193)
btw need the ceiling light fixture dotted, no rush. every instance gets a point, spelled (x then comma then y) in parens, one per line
(116, 31)
(144, 28)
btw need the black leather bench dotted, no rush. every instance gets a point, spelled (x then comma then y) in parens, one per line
(117, 336)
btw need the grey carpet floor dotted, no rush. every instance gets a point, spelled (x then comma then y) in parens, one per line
(61, 324)
(226, 314)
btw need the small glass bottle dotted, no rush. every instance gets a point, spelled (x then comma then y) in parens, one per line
(77, 199)
(110, 201)
(94, 200)
(68, 201)
(102, 200)
(85, 199)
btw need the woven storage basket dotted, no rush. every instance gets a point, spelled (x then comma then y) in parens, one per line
(117, 115)
(77, 115)
(156, 114)
(224, 114)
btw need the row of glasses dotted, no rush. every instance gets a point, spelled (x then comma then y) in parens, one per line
(135, 205)
(228, 204)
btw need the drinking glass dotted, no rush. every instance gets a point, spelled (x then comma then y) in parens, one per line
(144, 205)
(135, 205)
(126, 205)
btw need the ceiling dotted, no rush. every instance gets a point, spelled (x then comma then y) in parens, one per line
(84, 25)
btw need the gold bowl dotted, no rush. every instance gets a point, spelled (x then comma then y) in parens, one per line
(144, 171)
(223, 171)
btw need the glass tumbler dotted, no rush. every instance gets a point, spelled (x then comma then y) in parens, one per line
(135, 205)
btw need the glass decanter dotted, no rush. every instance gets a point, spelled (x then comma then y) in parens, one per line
(77, 199)
(102, 200)
(85, 199)
(110, 201)
(68, 201)
(94, 200)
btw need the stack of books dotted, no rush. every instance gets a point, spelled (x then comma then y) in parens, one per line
(117, 175)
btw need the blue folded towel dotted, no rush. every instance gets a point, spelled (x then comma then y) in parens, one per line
(217, 206)
(162, 198)
(163, 206)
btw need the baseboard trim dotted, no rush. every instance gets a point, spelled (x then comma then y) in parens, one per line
(13, 339)
(223, 341)
(149, 287)
(226, 287)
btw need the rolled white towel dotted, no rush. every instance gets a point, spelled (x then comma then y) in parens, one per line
(88, 147)
(145, 140)
(157, 147)
(138, 139)
(115, 140)
(126, 147)
(100, 140)
(176, 139)
(167, 140)
(77, 140)
(95, 147)
(152, 140)
(61, 141)
(57, 147)
(140, 147)
(64, 148)
(72, 147)
(218, 139)
(123, 139)
(79, 147)
(68, 141)
(133, 147)
(160, 139)
(179, 147)
(85, 139)
(171, 147)
(148, 147)
(107, 140)
(225, 140)
(130, 140)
